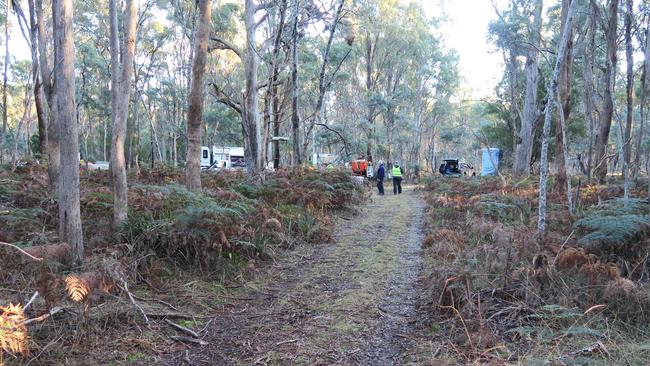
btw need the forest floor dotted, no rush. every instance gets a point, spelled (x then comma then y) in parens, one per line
(352, 302)
(310, 269)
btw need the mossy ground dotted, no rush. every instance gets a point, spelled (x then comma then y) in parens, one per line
(351, 302)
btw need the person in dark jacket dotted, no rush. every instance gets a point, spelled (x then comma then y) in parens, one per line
(380, 178)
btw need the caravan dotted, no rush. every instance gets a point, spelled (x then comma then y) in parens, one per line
(222, 157)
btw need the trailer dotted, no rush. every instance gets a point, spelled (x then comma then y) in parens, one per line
(225, 157)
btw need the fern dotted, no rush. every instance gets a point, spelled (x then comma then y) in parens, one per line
(13, 333)
(77, 288)
(614, 222)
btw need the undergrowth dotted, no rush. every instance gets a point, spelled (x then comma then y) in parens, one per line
(171, 234)
(580, 296)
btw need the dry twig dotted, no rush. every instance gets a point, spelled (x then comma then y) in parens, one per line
(182, 328)
(126, 289)
(22, 251)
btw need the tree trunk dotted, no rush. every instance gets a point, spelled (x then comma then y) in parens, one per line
(273, 109)
(121, 74)
(53, 148)
(5, 110)
(371, 48)
(524, 151)
(564, 94)
(629, 91)
(195, 108)
(295, 119)
(41, 112)
(607, 110)
(588, 90)
(645, 92)
(64, 57)
(250, 113)
(27, 106)
(322, 83)
(552, 90)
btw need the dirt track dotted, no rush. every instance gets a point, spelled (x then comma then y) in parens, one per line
(351, 302)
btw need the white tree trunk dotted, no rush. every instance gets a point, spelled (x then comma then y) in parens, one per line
(121, 74)
(550, 108)
(250, 113)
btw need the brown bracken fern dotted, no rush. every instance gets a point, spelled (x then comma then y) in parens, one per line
(77, 288)
(13, 334)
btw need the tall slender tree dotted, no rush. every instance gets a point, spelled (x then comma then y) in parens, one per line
(121, 75)
(53, 146)
(295, 118)
(195, 100)
(562, 182)
(607, 109)
(64, 61)
(524, 151)
(552, 92)
(629, 92)
(643, 100)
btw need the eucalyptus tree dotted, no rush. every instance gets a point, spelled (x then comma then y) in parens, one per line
(47, 78)
(64, 59)
(551, 103)
(195, 102)
(121, 74)
(609, 74)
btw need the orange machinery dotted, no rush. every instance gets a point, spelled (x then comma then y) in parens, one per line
(361, 167)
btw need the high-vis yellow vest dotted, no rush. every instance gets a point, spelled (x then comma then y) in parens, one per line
(396, 171)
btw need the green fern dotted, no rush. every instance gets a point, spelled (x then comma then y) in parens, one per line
(615, 222)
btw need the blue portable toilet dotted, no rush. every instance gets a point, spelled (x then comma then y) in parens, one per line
(486, 163)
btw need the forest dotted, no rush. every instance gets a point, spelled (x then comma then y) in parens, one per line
(134, 231)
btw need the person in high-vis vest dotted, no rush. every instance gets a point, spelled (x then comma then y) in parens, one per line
(396, 172)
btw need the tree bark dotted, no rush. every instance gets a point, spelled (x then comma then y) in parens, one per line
(552, 91)
(564, 93)
(64, 57)
(295, 118)
(371, 48)
(588, 90)
(629, 91)
(645, 92)
(195, 108)
(524, 151)
(121, 74)
(5, 110)
(251, 127)
(53, 146)
(27, 106)
(39, 102)
(605, 122)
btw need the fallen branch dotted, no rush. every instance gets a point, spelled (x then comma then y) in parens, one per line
(182, 328)
(52, 312)
(172, 315)
(126, 289)
(287, 341)
(200, 342)
(30, 301)
(22, 251)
